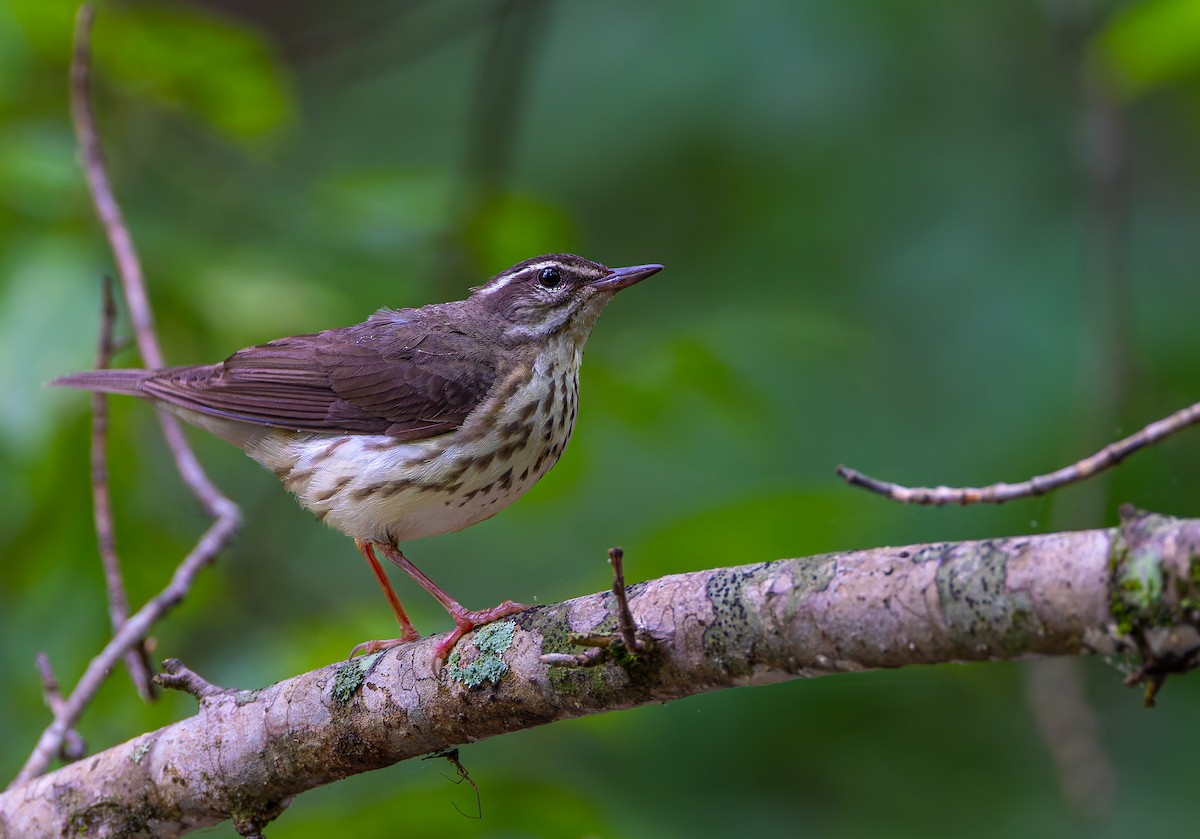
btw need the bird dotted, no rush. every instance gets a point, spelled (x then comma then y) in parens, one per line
(413, 423)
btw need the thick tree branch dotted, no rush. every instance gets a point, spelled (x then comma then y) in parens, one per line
(247, 753)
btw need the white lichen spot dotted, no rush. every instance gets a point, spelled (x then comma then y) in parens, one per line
(491, 642)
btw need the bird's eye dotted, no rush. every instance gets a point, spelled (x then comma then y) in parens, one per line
(550, 277)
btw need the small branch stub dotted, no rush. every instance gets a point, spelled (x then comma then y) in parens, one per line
(1155, 602)
(602, 646)
(625, 627)
(177, 676)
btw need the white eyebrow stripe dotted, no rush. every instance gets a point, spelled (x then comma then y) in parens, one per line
(500, 282)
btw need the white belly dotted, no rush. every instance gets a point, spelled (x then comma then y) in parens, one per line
(372, 487)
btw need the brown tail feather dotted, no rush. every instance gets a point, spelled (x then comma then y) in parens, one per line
(128, 382)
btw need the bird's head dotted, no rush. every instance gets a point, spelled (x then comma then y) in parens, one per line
(553, 294)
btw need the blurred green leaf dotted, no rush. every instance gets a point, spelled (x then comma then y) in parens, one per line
(49, 317)
(246, 297)
(38, 176)
(382, 209)
(15, 61)
(214, 68)
(509, 227)
(425, 801)
(1151, 44)
(46, 26)
(762, 526)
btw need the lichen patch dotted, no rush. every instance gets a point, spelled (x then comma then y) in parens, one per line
(975, 600)
(350, 675)
(491, 643)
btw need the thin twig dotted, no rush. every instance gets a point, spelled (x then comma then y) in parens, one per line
(591, 639)
(625, 626)
(129, 267)
(1106, 458)
(587, 658)
(109, 212)
(202, 555)
(601, 647)
(226, 515)
(73, 747)
(137, 659)
(178, 676)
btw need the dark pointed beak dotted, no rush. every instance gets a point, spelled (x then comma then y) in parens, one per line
(619, 278)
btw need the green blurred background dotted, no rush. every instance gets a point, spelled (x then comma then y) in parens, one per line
(941, 242)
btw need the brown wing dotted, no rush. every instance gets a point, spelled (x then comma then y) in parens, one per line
(393, 375)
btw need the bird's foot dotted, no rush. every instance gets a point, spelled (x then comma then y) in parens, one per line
(369, 647)
(465, 621)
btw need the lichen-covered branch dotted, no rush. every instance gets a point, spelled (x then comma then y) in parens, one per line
(246, 754)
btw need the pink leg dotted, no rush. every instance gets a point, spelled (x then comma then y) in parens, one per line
(407, 631)
(464, 620)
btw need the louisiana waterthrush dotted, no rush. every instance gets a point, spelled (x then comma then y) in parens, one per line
(414, 423)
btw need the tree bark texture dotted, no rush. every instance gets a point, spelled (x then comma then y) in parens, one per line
(245, 754)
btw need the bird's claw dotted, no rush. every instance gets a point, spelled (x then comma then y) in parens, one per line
(371, 647)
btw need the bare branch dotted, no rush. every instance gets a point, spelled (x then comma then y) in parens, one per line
(1107, 457)
(225, 512)
(625, 626)
(601, 645)
(129, 267)
(73, 747)
(177, 676)
(1071, 731)
(136, 628)
(137, 660)
(251, 752)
